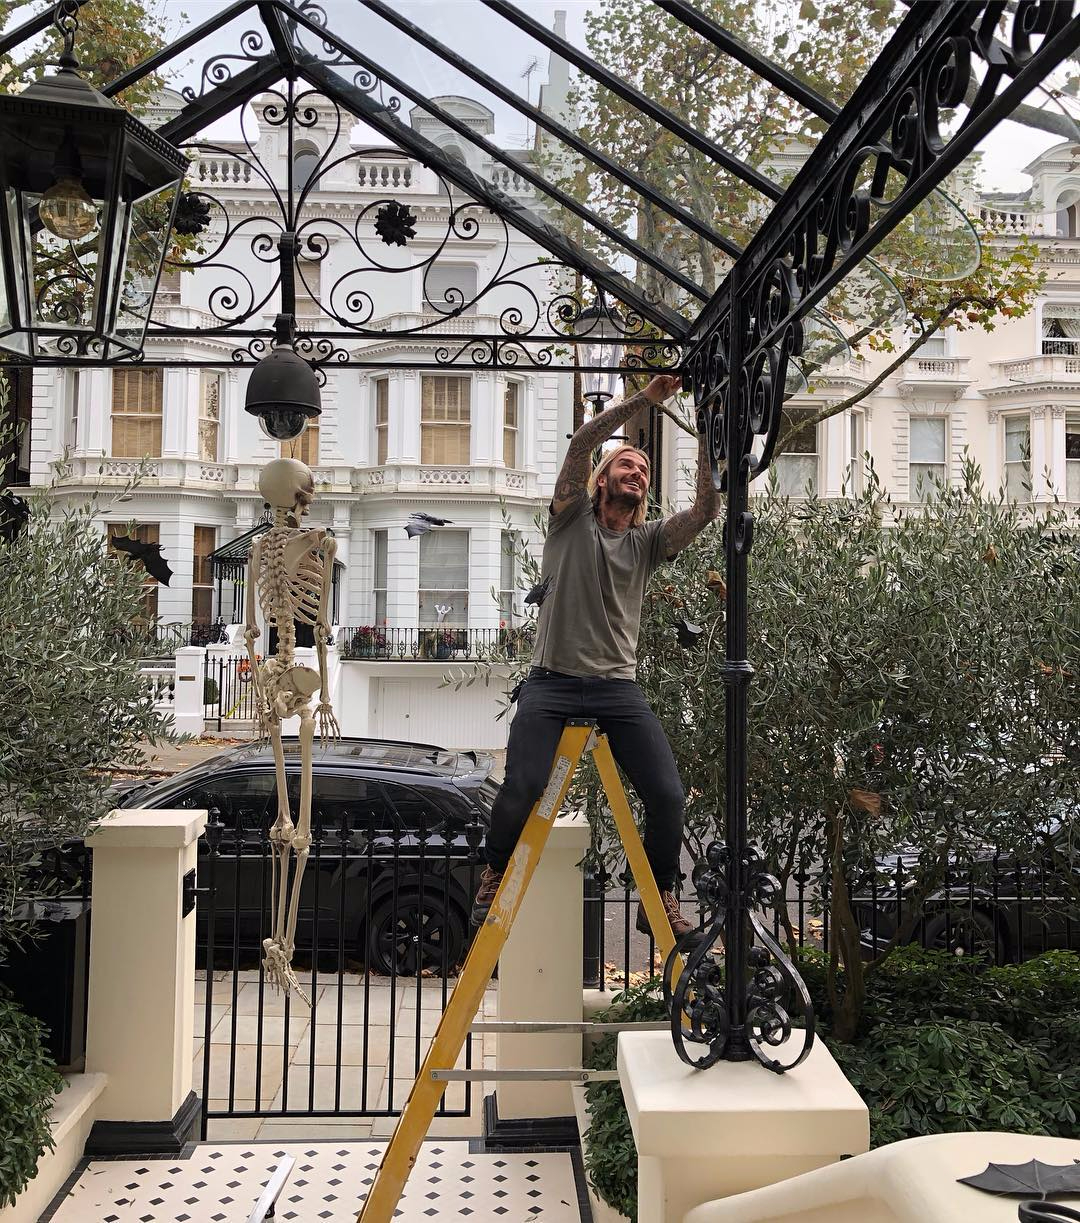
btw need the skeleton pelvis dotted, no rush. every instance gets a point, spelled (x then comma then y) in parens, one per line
(293, 687)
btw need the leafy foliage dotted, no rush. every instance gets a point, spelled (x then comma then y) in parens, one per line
(74, 700)
(915, 672)
(610, 1155)
(28, 1083)
(946, 1044)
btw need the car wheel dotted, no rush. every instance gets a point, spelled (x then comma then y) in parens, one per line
(966, 933)
(414, 934)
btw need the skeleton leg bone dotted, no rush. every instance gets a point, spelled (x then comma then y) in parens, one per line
(277, 951)
(301, 842)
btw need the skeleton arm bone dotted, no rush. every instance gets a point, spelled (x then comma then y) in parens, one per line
(327, 722)
(251, 627)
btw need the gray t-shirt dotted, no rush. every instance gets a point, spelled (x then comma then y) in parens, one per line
(589, 621)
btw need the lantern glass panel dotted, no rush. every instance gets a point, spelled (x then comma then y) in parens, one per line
(149, 220)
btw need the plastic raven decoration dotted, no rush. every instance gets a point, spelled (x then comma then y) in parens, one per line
(420, 524)
(539, 592)
(150, 555)
(689, 634)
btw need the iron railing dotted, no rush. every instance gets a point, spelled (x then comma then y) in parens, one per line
(383, 926)
(1001, 910)
(162, 640)
(228, 693)
(371, 643)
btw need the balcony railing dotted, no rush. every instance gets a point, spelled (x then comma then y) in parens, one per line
(1047, 368)
(371, 643)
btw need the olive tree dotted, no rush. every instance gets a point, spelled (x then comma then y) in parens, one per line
(74, 702)
(915, 687)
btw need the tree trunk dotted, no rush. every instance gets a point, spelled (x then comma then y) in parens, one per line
(844, 949)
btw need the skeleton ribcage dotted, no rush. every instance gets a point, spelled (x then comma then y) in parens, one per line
(285, 596)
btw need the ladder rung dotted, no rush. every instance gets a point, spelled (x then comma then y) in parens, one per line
(570, 1075)
(524, 1026)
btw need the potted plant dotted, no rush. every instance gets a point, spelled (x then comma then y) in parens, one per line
(367, 641)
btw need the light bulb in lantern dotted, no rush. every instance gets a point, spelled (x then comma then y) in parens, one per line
(66, 210)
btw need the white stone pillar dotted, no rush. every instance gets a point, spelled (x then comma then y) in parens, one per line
(485, 573)
(405, 410)
(190, 671)
(141, 1005)
(1039, 458)
(1056, 458)
(707, 1134)
(484, 393)
(540, 976)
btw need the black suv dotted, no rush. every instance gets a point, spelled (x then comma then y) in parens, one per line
(391, 868)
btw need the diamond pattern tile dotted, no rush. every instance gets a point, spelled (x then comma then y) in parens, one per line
(328, 1185)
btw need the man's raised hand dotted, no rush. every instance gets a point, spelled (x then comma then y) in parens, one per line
(663, 386)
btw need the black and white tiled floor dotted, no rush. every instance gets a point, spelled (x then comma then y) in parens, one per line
(221, 1184)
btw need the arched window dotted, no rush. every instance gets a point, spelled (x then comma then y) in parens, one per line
(305, 158)
(1068, 214)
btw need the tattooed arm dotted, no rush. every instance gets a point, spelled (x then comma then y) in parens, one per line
(680, 529)
(577, 465)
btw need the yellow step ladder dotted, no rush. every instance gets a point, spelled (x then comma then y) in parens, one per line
(578, 737)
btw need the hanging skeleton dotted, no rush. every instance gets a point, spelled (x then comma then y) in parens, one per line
(291, 570)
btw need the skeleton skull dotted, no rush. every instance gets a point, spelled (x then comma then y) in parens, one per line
(287, 484)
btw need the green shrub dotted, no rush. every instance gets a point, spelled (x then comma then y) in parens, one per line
(28, 1083)
(945, 1043)
(611, 1157)
(951, 1074)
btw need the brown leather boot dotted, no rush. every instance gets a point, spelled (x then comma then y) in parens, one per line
(680, 925)
(485, 894)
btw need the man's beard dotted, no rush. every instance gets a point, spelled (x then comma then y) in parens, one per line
(624, 498)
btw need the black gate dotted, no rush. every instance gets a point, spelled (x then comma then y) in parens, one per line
(228, 693)
(382, 928)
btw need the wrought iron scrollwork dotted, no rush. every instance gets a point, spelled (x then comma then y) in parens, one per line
(704, 1007)
(521, 315)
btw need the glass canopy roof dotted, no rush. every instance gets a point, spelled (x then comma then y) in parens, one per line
(640, 143)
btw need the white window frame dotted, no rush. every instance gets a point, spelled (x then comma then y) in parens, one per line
(457, 597)
(783, 461)
(380, 543)
(856, 449)
(443, 307)
(511, 433)
(209, 389)
(382, 428)
(434, 427)
(920, 467)
(1007, 463)
(1072, 466)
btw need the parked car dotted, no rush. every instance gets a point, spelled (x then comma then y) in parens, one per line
(389, 873)
(996, 907)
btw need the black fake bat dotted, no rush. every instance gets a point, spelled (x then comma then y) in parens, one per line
(420, 524)
(689, 634)
(150, 555)
(539, 592)
(1033, 1179)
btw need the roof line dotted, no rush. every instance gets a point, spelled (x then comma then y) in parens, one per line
(543, 119)
(660, 114)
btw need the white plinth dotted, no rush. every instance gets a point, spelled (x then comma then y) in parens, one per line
(706, 1134)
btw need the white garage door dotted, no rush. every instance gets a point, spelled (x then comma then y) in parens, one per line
(418, 709)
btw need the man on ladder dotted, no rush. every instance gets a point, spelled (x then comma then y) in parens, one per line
(598, 557)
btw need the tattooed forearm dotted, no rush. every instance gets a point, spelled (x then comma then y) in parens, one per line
(577, 465)
(681, 528)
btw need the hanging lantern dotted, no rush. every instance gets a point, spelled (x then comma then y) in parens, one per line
(89, 195)
(595, 324)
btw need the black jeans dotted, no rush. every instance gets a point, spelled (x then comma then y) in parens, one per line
(638, 744)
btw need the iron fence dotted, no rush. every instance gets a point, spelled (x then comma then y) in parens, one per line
(382, 928)
(372, 643)
(49, 973)
(163, 640)
(1000, 909)
(228, 691)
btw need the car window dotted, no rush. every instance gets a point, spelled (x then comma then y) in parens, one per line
(250, 795)
(337, 795)
(419, 809)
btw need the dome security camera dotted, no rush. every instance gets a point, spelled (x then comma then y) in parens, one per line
(283, 392)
